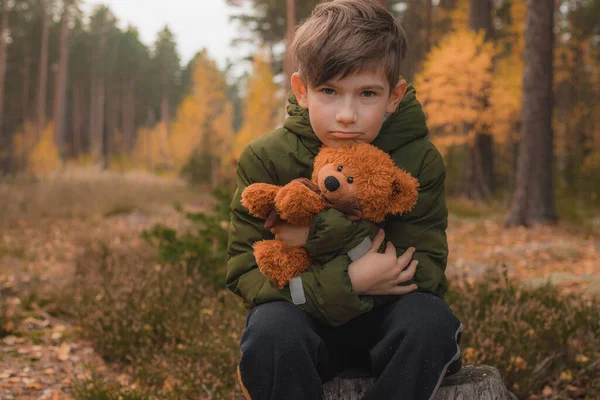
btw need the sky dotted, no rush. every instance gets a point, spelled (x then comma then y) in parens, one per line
(196, 24)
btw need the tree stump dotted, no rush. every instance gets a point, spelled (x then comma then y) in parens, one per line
(471, 382)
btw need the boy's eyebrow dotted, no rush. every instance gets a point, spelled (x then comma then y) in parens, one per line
(365, 87)
(375, 86)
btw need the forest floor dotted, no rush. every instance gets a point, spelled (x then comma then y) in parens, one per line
(43, 357)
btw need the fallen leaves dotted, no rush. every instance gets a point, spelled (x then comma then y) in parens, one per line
(535, 255)
(63, 352)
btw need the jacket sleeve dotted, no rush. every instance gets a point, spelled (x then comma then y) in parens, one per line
(327, 287)
(424, 227)
(331, 233)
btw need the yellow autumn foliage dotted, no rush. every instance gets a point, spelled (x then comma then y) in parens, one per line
(150, 151)
(260, 110)
(455, 80)
(22, 143)
(204, 117)
(44, 158)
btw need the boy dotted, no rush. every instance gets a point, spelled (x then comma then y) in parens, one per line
(377, 311)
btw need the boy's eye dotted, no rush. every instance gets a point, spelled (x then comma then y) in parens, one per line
(340, 168)
(350, 180)
(328, 91)
(369, 93)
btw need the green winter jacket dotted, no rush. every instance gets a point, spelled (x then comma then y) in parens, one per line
(288, 153)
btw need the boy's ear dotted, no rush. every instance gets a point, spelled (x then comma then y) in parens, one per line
(396, 96)
(300, 90)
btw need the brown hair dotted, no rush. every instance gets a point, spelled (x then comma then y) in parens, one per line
(343, 37)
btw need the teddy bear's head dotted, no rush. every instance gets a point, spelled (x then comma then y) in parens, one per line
(364, 178)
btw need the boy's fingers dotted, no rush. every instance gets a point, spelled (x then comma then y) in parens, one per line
(400, 290)
(405, 258)
(408, 273)
(377, 240)
(390, 249)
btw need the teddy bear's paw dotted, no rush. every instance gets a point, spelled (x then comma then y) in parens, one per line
(259, 199)
(280, 262)
(297, 204)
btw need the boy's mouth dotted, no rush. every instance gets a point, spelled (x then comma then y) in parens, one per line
(345, 135)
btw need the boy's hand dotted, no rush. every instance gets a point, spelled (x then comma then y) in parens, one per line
(293, 235)
(381, 274)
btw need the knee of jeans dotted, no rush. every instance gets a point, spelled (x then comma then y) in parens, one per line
(440, 326)
(276, 325)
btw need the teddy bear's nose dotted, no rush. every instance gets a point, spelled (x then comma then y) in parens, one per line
(332, 184)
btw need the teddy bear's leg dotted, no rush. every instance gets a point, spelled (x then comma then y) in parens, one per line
(280, 262)
(259, 199)
(298, 204)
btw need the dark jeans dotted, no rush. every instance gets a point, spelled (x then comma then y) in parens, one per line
(408, 345)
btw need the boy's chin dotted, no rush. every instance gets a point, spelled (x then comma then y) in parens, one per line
(336, 142)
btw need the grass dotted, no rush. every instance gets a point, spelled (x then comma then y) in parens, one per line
(17, 252)
(538, 337)
(82, 193)
(178, 336)
(97, 388)
(463, 208)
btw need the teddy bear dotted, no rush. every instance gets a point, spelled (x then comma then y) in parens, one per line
(359, 180)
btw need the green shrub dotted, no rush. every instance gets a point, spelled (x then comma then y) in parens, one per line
(178, 335)
(536, 337)
(203, 250)
(97, 388)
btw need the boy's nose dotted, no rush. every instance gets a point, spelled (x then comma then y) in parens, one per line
(346, 116)
(332, 184)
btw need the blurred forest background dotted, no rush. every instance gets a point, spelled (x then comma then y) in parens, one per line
(78, 89)
(108, 291)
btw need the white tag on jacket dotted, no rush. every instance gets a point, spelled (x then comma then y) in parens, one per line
(297, 291)
(361, 249)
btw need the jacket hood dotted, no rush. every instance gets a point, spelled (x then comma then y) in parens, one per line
(406, 124)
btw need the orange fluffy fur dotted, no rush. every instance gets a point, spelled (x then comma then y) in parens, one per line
(272, 255)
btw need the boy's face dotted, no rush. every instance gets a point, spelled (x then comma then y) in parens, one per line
(349, 110)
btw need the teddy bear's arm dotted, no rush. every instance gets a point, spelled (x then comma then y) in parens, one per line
(259, 199)
(297, 204)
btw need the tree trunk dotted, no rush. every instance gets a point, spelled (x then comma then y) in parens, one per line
(43, 74)
(288, 65)
(3, 31)
(92, 121)
(164, 101)
(26, 89)
(61, 81)
(480, 17)
(480, 183)
(164, 111)
(97, 121)
(77, 119)
(112, 122)
(129, 116)
(412, 28)
(482, 383)
(428, 24)
(533, 201)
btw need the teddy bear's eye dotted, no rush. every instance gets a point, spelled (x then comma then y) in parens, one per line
(340, 168)
(350, 180)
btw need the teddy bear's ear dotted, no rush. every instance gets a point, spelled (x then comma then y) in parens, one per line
(404, 192)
